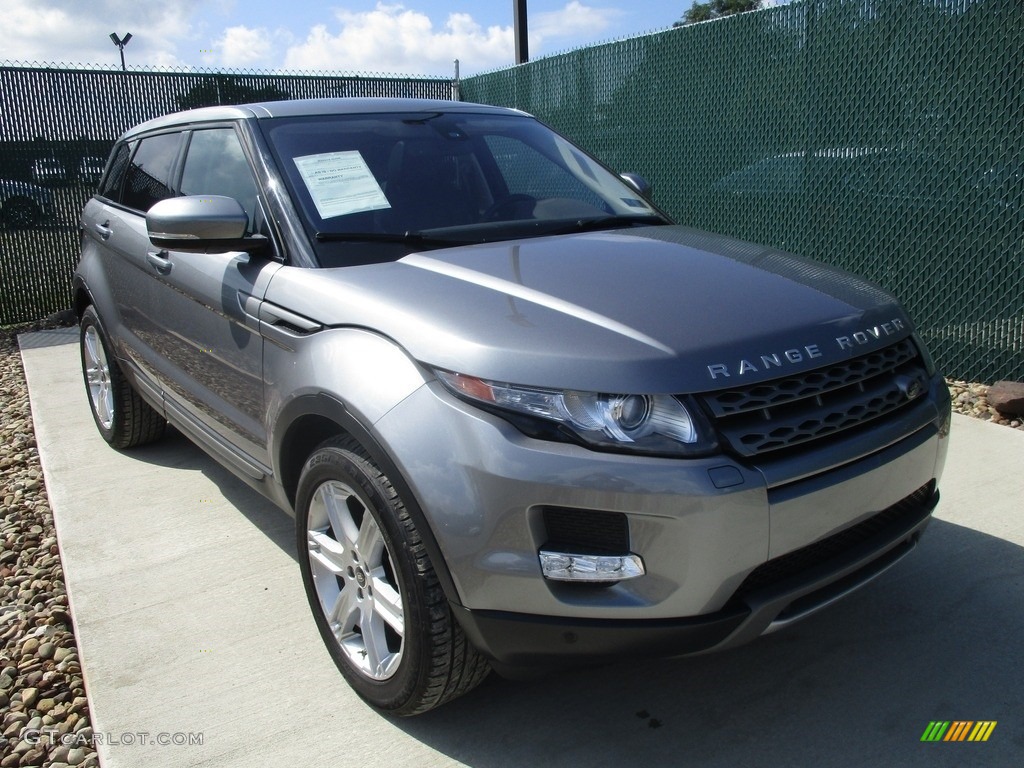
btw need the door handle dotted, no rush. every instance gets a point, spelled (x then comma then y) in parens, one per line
(159, 261)
(103, 230)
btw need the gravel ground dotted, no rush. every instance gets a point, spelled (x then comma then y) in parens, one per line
(45, 715)
(41, 687)
(970, 400)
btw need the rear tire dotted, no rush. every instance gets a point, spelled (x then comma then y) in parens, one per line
(372, 587)
(123, 418)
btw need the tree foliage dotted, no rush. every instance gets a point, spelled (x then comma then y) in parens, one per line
(226, 89)
(716, 9)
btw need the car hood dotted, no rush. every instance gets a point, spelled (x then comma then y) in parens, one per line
(649, 310)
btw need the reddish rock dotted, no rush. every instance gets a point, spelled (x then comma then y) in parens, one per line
(1007, 397)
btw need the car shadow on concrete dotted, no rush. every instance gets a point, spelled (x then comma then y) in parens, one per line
(176, 451)
(936, 638)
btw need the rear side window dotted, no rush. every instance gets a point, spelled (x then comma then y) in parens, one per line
(216, 165)
(111, 187)
(149, 174)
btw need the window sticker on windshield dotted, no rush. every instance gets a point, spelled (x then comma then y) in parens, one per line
(632, 202)
(340, 183)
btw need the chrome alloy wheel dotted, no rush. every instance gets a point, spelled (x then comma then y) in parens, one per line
(97, 374)
(355, 580)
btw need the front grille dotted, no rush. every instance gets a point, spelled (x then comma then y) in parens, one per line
(902, 515)
(787, 412)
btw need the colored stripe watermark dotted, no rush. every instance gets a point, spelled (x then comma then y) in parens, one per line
(959, 730)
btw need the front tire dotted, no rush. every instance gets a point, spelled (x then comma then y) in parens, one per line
(373, 590)
(122, 417)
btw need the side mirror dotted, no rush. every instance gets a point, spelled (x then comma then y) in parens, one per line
(639, 183)
(201, 224)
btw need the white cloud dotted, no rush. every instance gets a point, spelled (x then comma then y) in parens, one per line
(390, 39)
(246, 47)
(394, 39)
(575, 20)
(66, 31)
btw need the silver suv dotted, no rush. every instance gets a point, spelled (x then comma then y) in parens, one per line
(521, 419)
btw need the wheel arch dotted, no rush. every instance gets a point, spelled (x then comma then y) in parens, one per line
(309, 420)
(81, 298)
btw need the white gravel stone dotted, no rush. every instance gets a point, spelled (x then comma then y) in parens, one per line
(35, 625)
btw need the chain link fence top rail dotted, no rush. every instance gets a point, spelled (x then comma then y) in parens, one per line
(57, 125)
(883, 137)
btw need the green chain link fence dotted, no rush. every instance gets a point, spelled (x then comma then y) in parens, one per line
(886, 137)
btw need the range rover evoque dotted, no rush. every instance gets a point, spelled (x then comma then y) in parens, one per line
(521, 419)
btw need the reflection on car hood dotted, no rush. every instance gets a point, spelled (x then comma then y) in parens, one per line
(658, 309)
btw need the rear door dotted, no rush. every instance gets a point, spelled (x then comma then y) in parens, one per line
(114, 222)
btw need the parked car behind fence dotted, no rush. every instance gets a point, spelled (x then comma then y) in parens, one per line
(24, 205)
(48, 170)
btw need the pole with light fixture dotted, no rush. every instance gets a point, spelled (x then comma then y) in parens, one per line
(121, 43)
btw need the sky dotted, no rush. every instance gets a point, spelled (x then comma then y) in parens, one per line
(413, 37)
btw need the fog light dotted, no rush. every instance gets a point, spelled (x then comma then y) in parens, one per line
(565, 566)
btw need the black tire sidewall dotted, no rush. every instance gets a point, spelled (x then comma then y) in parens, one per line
(342, 464)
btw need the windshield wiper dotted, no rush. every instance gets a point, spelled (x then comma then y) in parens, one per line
(609, 222)
(408, 238)
(474, 234)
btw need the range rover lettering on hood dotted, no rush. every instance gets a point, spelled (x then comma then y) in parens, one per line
(807, 352)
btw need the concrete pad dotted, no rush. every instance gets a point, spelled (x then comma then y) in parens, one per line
(190, 619)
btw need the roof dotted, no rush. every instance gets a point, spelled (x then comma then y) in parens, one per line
(309, 107)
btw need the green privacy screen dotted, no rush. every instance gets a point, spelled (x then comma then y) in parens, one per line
(883, 136)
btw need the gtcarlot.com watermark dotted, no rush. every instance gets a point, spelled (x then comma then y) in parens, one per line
(54, 737)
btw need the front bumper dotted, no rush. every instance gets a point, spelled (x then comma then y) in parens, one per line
(708, 530)
(782, 591)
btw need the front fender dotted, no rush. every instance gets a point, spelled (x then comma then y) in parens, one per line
(366, 372)
(352, 378)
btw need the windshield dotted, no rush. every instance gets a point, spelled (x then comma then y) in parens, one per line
(375, 187)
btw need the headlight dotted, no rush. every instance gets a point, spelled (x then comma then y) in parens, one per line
(651, 424)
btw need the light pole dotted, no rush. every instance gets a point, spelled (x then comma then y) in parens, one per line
(120, 45)
(521, 31)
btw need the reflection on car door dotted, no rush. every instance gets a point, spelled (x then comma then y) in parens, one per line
(140, 176)
(212, 361)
